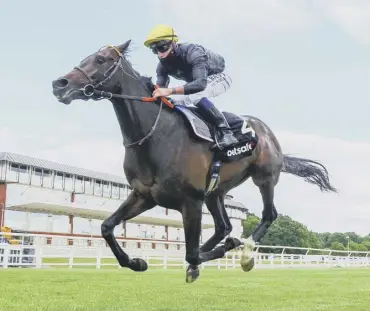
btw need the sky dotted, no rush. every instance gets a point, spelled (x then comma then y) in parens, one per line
(303, 67)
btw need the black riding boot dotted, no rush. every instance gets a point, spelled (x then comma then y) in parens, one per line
(215, 117)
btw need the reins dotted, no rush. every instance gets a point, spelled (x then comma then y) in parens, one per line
(89, 90)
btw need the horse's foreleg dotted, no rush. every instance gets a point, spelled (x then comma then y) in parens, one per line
(192, 221)
(134, 205)
(269, 214)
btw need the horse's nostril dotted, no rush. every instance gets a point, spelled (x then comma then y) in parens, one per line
(60, 83)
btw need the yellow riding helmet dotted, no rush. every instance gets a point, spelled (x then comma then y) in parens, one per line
(159, 33)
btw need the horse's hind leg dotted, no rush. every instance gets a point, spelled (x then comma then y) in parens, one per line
(215, 205)
(265, 180)
(223, 227)
(134, 205)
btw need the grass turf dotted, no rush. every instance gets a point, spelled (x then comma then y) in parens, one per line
(157, 289)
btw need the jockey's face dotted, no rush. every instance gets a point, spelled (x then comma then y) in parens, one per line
(162, 49)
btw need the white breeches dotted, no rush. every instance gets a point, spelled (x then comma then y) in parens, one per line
(216, 85)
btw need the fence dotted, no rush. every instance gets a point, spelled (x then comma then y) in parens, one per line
(74, 252)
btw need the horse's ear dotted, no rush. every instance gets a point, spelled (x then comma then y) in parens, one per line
(123, 47)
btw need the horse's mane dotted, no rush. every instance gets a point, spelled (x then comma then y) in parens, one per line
(145, 80)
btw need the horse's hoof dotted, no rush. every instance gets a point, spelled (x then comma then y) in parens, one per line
(247, 258)
(138, 265)
(192, 274)
(247, 265)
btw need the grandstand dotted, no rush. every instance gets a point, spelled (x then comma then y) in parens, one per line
(45, 197)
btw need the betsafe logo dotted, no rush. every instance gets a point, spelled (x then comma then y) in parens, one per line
(245, 128)
(239, 150)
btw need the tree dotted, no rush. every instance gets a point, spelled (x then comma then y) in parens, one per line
(362, 247)
(288, 232)
(337, 237)
(353, 246)
(337, 246)
(354, 237)
(366, 243)
(315, 241)
(325, 238)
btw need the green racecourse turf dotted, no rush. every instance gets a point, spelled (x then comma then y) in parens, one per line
(64, 289)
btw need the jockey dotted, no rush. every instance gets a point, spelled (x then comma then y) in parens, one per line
(201, 69)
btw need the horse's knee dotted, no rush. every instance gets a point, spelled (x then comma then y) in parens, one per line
(106, 229)
(193, 258)
(269, 214)
(276, 214)
(228, 229)
(224, 230)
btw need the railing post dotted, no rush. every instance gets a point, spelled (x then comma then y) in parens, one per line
(71, 254)
(165, 260)
(6, 256)
(282, 258)
(38, 255)
(98, 258)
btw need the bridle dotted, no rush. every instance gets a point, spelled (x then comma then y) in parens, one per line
(90, 89)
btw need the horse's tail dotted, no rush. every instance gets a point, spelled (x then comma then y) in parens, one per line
(312, 172)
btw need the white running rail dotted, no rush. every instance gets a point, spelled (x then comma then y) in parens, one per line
(64, 251)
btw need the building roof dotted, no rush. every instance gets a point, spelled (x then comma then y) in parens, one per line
(46, 164)
(236, 204)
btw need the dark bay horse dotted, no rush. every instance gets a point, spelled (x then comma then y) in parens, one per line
(167, 165)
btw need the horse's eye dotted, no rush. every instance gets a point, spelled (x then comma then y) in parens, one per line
(100, 60)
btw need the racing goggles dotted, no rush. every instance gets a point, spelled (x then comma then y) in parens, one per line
(161, 47)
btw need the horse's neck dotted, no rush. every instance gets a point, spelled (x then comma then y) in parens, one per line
(135, 117)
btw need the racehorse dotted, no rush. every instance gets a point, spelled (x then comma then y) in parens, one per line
(170, 161)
